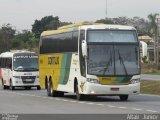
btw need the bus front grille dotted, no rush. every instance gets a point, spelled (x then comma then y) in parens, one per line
(28, 79)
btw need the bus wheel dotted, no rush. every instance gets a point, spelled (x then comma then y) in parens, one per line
(3, 86)
(11, 85)
(48, 89)
(60, 94)
(123, 97)
(51, 91)
(38, 88)
(78, 95)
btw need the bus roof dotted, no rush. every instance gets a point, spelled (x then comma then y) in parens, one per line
(86, 26)
(12, 52)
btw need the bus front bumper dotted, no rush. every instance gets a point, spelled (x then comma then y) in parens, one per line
(98, 89)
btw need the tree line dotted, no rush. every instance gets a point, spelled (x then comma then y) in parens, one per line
(10, 38)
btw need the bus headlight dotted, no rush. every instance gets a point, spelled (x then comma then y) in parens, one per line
(17, 77)
(92, 80)
(133, 81)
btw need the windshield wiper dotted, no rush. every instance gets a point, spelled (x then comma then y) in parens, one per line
(122, 61)
(108, 63)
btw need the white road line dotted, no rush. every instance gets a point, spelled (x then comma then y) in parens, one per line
(111, 106)
(65, 100)
(81, 102)
(73, 101)
(122, 107)
(99, 104)
(138, 109)
(90, 103)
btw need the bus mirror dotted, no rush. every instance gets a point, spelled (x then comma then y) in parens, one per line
(84, 48)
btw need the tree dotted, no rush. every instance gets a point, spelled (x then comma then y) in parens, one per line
(153, 30)
(46, 23)
(105, 21)
(24, 40)
(6, 35)
(152, 25)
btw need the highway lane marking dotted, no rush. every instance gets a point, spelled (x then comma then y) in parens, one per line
(111, 106)
(58, 99)
(122, 107)
(73, 101)
(65, 100)
(138, 109)
(91, 103)
(81, 102)
(99, 104)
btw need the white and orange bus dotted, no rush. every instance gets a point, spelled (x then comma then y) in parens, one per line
(19, 69)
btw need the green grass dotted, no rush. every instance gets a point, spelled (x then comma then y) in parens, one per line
(152, 71)
(150, 87)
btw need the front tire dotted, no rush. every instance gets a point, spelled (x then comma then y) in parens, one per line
(38, 87)
(11, 85)
(4, 86)
(123, 97)
(78, 95)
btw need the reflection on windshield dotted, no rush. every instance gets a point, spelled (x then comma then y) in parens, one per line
(113, 60)
(25, 64)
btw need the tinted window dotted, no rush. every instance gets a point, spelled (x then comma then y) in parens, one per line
(65, 42)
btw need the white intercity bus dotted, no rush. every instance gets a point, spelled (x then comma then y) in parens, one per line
(90, 59)
(19, 69)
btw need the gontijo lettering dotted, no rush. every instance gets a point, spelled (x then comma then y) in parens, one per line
(53, 60)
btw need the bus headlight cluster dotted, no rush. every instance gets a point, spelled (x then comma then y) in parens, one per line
(17, 77)
(92, 80)
(133, 81)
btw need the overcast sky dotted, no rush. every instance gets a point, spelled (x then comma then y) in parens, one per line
(22, 13)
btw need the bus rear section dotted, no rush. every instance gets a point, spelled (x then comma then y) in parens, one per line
(20, 69)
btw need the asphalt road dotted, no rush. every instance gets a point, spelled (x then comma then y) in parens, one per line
(150, 77)
(37, 102)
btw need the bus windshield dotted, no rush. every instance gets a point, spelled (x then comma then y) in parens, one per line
(115, 55)
(113, 60)
(25, 63)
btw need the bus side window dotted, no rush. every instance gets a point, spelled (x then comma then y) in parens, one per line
(82, 59)
(10, 64)
(3, 62)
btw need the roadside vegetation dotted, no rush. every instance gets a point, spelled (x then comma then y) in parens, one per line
(150, 87)
(150, 68)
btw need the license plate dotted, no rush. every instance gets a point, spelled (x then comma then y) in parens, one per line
(28, 80)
